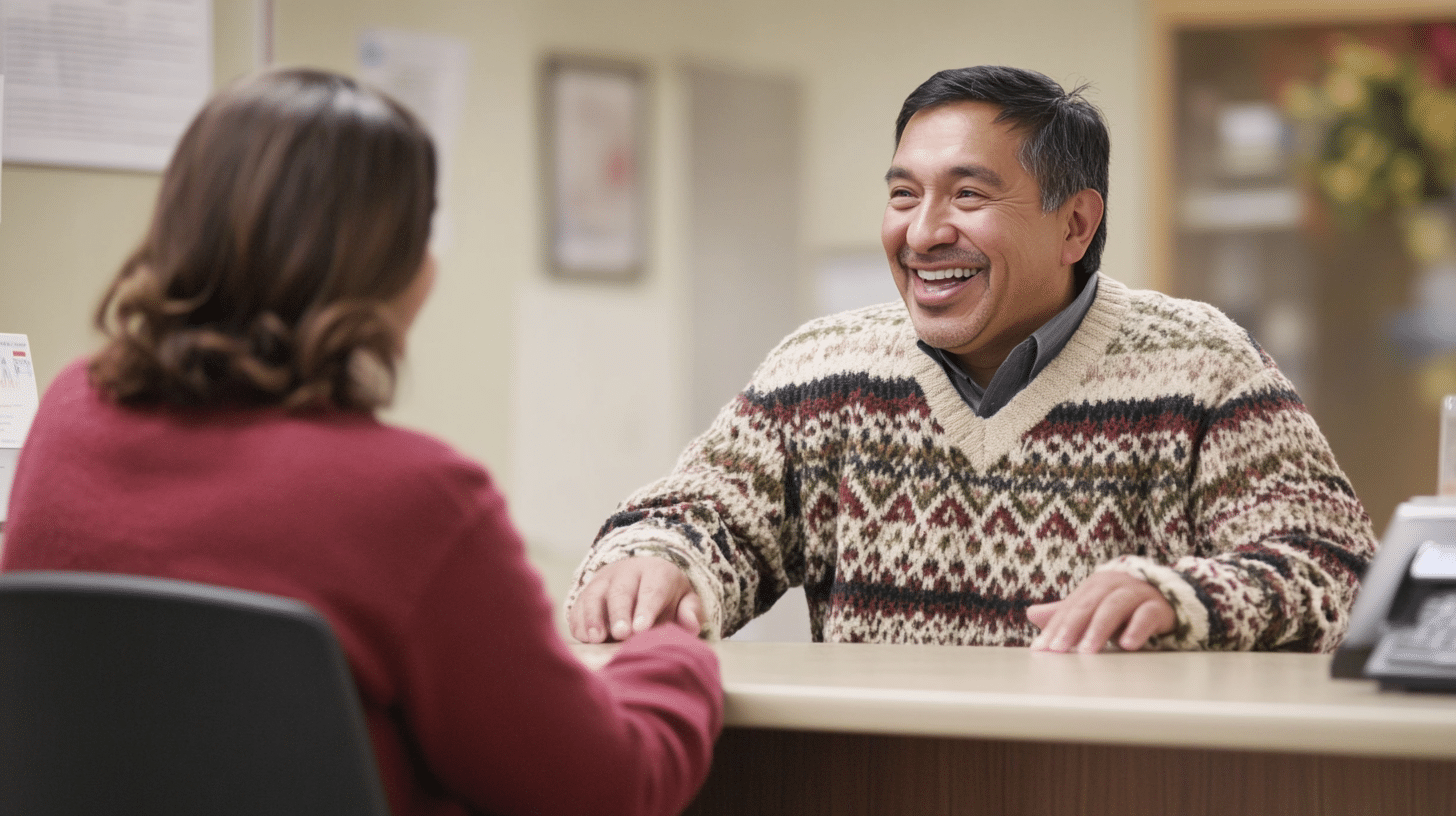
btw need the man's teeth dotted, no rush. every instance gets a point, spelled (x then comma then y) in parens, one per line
(926, 274)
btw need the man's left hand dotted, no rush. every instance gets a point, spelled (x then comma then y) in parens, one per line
(1108, 604)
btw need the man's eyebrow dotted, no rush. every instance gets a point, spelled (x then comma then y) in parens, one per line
(974, 171)
(897, 173)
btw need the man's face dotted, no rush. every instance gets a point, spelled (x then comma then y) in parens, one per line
(978, 263)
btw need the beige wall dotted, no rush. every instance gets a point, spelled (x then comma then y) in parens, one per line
(472, 378)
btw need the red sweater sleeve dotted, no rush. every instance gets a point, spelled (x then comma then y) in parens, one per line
(510, 721)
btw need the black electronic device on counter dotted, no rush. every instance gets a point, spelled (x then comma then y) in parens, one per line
(1403, 627)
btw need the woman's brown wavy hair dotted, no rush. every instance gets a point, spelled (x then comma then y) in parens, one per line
(297, 204)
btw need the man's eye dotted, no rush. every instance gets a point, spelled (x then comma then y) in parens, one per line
(968, 194)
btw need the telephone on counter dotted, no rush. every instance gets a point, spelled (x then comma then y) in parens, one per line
(1403, 627)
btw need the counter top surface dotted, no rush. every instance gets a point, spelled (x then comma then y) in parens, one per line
(1235, 700)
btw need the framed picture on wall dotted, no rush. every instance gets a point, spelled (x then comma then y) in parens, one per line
(594, 114)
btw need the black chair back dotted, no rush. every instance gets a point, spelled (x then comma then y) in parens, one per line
(134, 695)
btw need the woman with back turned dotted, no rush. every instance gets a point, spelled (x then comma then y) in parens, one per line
(225, 433)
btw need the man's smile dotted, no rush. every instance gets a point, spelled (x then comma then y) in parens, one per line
(941, 274)
(938, 274)
(933, 286)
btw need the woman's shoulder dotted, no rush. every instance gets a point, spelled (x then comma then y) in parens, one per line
(366, 446)
(71, 382)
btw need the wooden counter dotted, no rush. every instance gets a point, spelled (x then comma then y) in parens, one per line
(875, 729)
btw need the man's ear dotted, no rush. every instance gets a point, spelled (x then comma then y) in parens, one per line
(1081, 214)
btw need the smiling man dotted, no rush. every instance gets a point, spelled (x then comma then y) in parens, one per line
(1022, 452)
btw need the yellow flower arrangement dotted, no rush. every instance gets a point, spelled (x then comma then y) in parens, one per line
(1388, 125)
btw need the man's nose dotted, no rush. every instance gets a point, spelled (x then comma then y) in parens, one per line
(930, 227)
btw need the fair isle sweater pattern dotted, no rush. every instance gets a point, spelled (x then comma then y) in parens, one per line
(1162, 441)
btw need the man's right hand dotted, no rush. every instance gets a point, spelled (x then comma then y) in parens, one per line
(633, 595)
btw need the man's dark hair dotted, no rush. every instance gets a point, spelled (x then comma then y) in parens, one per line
(1065, 144)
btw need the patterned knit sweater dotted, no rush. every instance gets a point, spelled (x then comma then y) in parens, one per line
(1162, 442)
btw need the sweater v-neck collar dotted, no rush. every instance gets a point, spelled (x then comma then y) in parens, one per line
(985, 440)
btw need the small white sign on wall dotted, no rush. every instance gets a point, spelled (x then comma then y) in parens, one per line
(19, 399)
(428, 74)
(18, 395)
(103, 83)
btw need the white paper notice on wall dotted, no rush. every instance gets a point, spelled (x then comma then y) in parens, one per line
(427, 73)
(103, 83)
(18, 395)
(18, 401)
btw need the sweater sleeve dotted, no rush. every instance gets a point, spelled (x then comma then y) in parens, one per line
(507, 719)
(1279, 537)
(726, 515)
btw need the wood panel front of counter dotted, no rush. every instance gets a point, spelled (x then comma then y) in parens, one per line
(764, 771)
(850, 729)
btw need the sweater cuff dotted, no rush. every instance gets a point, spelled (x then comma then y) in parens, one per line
(1190, 627)
(630, 542)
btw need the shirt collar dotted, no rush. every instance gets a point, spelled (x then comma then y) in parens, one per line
(1024, 362)
(1054, 334)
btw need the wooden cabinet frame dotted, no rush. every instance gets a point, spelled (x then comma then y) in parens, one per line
(1168, 17)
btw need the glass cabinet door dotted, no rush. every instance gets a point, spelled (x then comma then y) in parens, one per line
(1314, 169)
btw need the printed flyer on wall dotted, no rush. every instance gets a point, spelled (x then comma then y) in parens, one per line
(18, 395)
(18, 401)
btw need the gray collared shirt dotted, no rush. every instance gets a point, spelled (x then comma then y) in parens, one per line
(1023, 363)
